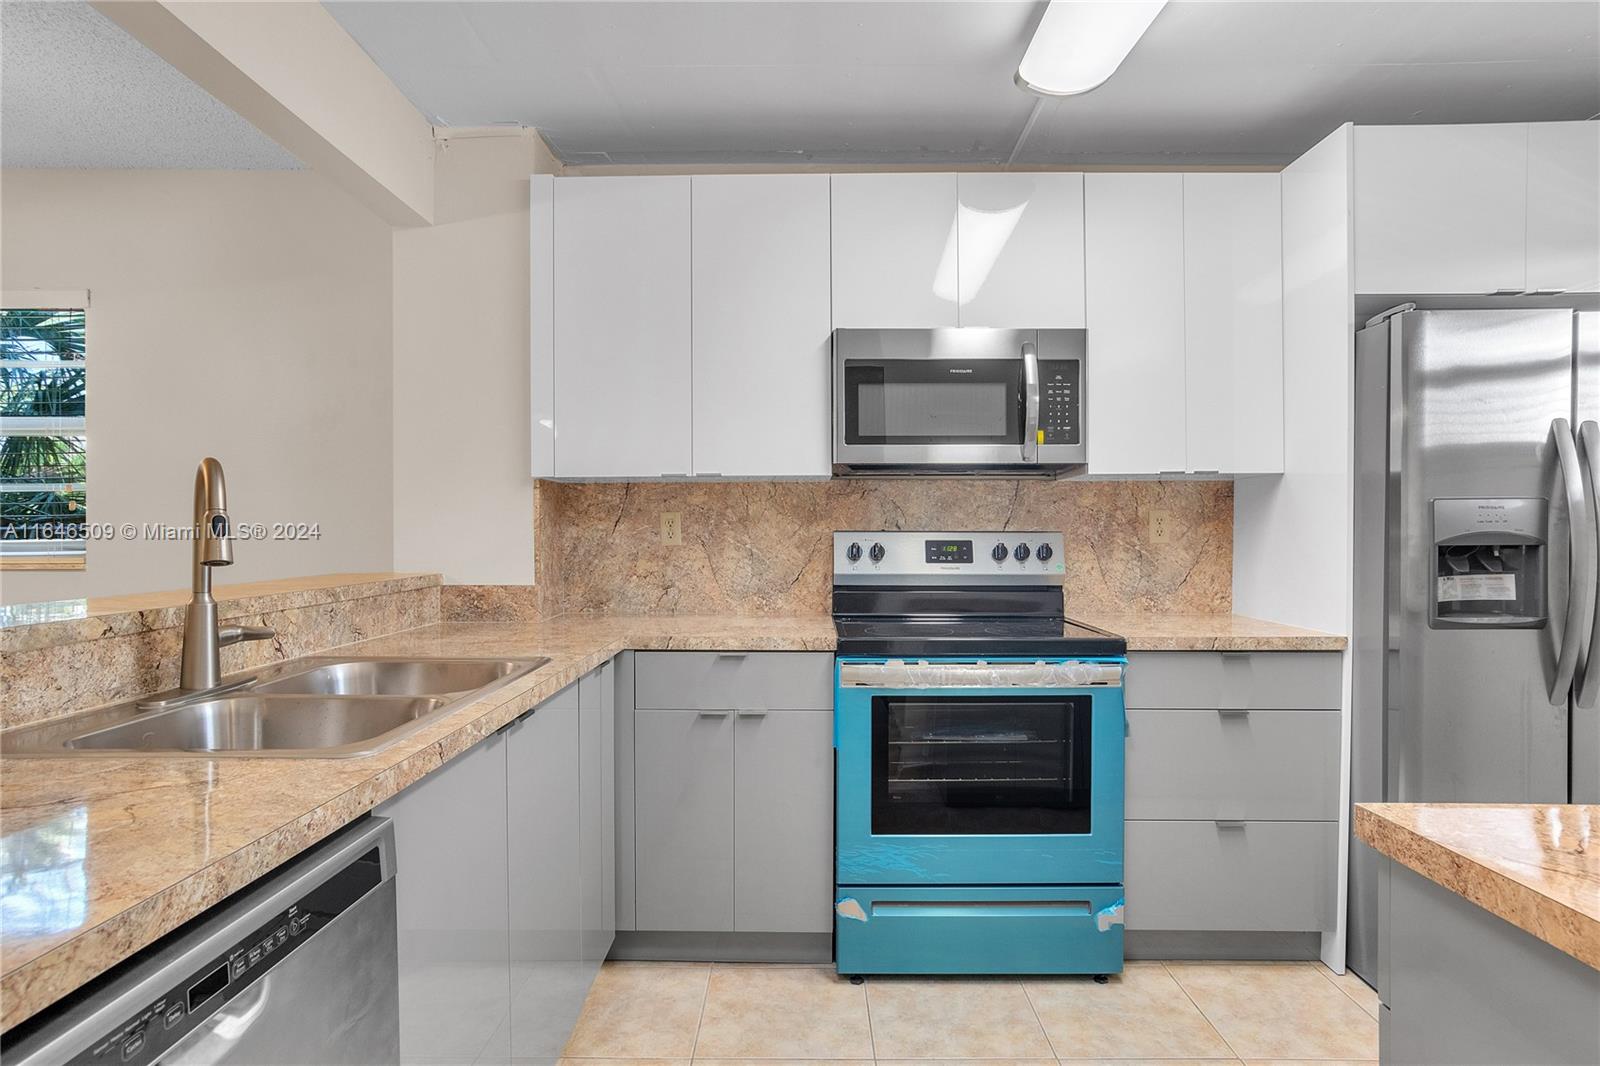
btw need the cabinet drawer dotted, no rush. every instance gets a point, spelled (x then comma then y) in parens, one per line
(1244, 764)
(704, 680)
(1251, 876)
(1054, 929)
(1270, 679)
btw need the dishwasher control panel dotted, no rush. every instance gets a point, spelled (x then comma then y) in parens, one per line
(145, 1036)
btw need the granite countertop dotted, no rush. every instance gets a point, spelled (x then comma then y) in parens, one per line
(1537, 866)
(104, 856)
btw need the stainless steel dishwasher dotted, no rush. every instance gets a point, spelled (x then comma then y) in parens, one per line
(298, 968)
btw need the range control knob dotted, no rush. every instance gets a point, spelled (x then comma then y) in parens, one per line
(853, 553)
(876, 553)
(1000, 553)
(1020, 553)
(1044, 553)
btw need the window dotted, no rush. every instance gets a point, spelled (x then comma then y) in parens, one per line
(43, 502)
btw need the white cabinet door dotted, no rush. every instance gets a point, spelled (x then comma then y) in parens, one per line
(1020, 250)
(1233, 322)
(1564, 206)
(622, 320)
(1441, 209)
(1134, 403)
(761, 325)
(894, 250)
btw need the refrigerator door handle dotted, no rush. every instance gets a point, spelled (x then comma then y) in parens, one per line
(1581, 580)
(1588, 679)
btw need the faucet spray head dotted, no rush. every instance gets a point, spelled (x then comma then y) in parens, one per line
(213, 535)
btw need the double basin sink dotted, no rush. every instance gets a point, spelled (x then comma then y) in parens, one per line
(318, 707)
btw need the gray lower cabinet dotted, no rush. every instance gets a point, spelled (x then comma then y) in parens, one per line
(683, 820)
(1234, 876)
(1232, 792)
(783, 852)
(1263, 764)
(546, 811)
(504, 856)
(451, 904)
(732, 794)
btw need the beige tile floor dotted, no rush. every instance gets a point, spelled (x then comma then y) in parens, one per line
(672, 1014)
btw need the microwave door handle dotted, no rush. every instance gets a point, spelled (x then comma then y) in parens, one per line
(1030, 421)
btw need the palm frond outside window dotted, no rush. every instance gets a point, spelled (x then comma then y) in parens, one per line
(43, 407)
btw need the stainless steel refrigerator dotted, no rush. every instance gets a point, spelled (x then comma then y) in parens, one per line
(1476, 655)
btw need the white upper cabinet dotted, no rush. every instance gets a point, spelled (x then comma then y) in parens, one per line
(1441, 209)
(1135, 399)
(1233, 322)
(621, 330)
(761, 325)
(1564, 206)
(894, 250)
(1020, 250)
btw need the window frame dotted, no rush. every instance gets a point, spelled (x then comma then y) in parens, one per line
(55, 300)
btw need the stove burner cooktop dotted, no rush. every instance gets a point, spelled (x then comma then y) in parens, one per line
(928, 638)
(909, 594)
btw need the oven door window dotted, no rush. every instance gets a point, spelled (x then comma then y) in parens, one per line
(980, 765)
(933, 401)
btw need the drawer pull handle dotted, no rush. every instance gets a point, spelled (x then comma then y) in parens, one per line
(752, 714)
(961, 908)
(1233, 712)
(733, 655)
(1230, 823)
(714, 714)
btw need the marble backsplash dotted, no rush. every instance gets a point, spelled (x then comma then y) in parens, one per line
(67, 663)
(765, 547)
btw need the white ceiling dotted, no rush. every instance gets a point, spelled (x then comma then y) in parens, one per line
(929, 81)
(77, 91)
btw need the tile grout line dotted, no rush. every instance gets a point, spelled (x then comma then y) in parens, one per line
(1167, 969)
(1051, 1044)
(694, 1047)
(1346, 992)
(872, 1035)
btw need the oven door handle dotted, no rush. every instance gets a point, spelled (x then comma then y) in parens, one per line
(1030, 410)
(1019, 676)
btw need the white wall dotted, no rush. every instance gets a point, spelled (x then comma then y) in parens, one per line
(1292, 534)
(240, 314)
(463, 491)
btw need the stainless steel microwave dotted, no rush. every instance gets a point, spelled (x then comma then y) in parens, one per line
(1004, 402)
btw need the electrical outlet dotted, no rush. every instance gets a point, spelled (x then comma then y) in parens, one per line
(1160, 526)
(671, 527)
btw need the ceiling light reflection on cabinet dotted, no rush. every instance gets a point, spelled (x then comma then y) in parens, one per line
(1081, 43)
(978, 236)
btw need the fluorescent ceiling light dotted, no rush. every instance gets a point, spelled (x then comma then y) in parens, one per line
(1081, 43)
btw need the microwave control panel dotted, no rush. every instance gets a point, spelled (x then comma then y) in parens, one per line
(1060, 401)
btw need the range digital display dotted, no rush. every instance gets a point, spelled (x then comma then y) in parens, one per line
(948, 551)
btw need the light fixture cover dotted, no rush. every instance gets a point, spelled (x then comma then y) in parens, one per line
(1081, 43)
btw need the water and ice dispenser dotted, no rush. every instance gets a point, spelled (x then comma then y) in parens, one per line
(1489, 563)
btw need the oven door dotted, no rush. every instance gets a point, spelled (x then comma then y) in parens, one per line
(953, 397)
(970, 786)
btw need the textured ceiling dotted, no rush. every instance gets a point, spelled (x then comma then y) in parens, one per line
(77, 91)
(929, 81)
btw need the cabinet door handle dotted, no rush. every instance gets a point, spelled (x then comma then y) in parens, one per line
(733, 654)
(753, 714)
(714, 714)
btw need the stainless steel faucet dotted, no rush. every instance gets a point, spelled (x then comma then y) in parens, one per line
(203, 640)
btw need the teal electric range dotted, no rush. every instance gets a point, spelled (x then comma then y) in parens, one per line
(979, 738)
